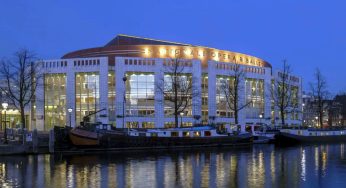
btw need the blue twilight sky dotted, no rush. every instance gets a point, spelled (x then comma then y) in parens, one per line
(309, 34)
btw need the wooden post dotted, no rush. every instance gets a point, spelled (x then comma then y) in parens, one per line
(34, 141)
(51, 141)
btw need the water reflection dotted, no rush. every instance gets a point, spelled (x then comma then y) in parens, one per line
(258, 166)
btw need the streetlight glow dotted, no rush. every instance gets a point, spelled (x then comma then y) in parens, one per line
(70, 112)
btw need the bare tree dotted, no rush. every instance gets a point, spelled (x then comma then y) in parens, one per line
(177, 87)
(19, 83)
(231, 90)
(282, 93)
(320, 93)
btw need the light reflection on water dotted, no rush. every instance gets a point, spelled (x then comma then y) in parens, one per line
(257, 166)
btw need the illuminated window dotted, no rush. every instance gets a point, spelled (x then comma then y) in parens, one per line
(87, 95)
(140, 94)
(132, 124)
(54, 100)
(197, 133)
(254, 93)
(224, 92)
(184, 89)
(169, 125)
(148, 125)
(111, 96)
(186, 134)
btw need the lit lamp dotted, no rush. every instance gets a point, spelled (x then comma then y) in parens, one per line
(316, 121)
(4, 106)
(261, 116)
(181, 119)
(70, 112)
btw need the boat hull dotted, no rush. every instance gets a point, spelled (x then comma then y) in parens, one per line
(287, 138)
(123, 141)
(81, 137)
(120, 139)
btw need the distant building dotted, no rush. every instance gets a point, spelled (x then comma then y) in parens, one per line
(92, 79)
(332, 115)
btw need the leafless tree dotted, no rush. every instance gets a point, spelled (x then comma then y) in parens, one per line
(177, 87)
(320, 93)
(231, 90)
(282, 93)
(19, 83)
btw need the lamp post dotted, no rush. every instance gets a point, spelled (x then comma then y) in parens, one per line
(4, 106)
(181, 119)
(70, 112)
(261, 116)
(317, 123)
(124, 100)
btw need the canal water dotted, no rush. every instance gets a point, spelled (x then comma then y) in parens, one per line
(255, 166)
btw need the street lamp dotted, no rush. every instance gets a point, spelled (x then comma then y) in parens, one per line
(181, 119)
(70, 112)
(261, 116)
(4, 106)
(124, 100)
(317, 121)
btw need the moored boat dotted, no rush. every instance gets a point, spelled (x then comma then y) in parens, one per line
(260, 133)
(311, 135)
(82, 137)
(166, 138)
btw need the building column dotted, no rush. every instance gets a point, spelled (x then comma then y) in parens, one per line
(103, 91)
(211, 91)
(120, 91)
(71, 93)
(159, 99)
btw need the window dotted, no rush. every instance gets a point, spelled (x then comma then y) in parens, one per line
(184, 83)
(174, 134)
(224, 89)
(204, 96)
(169, 125)
(54, 100)
(148, 125)
(207, 133)
(132, 124)
(254, 94)
(111, 96)
(196, 133)
(140, 94)
(186, 134)
(87, 95)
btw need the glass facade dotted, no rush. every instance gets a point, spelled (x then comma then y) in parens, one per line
(111, 97)
(54, 100)
(87, 95)
(148, 125)
(294, 102)
(140, 90)
(204, 96)
(184, 85)
(223, 86)
(254, 94)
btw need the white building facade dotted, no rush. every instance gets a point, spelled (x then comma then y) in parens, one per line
(93, 79)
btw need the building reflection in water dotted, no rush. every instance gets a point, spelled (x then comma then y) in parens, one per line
(257, 166)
